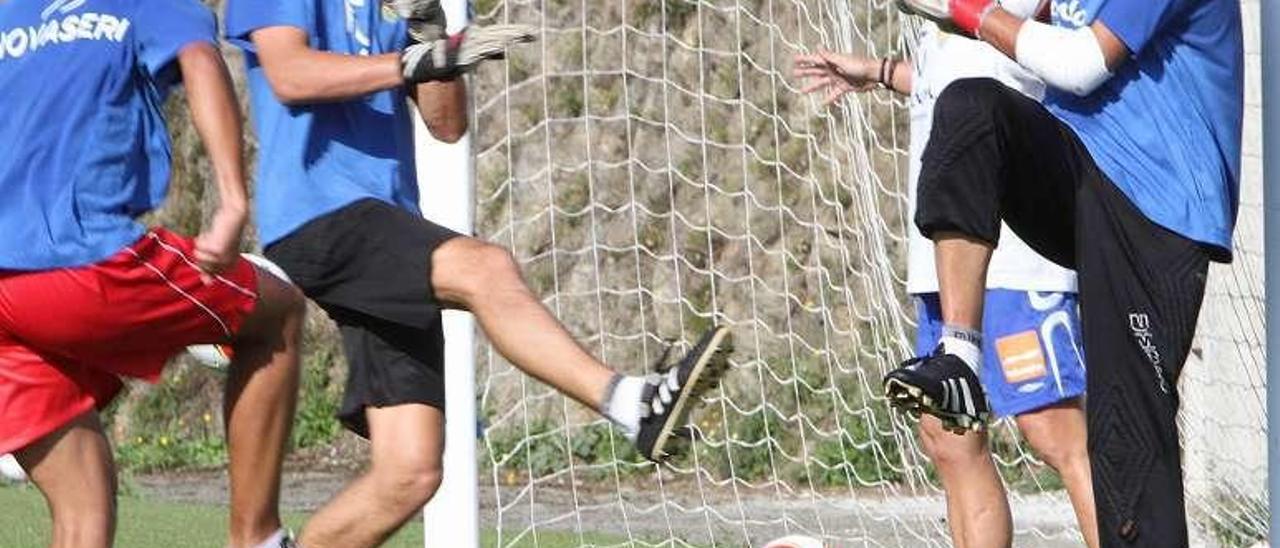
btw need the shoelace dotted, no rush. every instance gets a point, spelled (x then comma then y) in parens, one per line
(662, 385)
(665, 387)
(914, 362)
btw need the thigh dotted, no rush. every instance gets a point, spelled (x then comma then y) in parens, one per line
(1140, 287)
(389, 364)
(369, 256)
(407, 436)
(1047, 165)
(994, 153)
(1033, 357)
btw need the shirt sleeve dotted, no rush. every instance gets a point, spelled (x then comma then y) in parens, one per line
(242, 17)
(163, 27)
(1136, 22)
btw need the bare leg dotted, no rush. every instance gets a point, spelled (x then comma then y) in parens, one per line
(408, 441)
(1057, 434)
(486, 280)
(977, 507)
(261, 394)
(962, 278)
(74, 469)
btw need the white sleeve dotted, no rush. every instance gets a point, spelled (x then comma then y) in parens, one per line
(1067, 59)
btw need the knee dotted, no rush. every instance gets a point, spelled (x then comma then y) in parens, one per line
(970, 97)
(408, 485)
(1061, 455)
(948, 450)
(280, 302)
(464, 270)
(293, 305)
(85, 524)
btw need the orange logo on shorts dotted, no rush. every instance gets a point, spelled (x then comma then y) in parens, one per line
(1020, 356)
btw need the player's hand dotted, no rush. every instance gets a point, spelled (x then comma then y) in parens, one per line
(964, 16)
(448, 57)
(425, 18)
(218, 246)
(835, 74)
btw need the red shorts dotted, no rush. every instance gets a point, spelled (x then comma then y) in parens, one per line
(67, 336)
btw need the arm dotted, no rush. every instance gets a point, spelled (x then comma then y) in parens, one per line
(1076, 60)
(838, 74)
(216, 116)
(901, 76)
(299, 74)
(443, 107)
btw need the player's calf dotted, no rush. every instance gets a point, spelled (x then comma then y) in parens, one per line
(259, 404)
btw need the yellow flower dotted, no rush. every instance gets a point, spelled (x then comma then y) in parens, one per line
(207, 418)
(164, 441)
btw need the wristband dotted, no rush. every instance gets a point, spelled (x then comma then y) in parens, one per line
(881, 79)
(968, 14)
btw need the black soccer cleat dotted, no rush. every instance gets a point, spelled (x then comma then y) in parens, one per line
(668, 398)
(941, 385)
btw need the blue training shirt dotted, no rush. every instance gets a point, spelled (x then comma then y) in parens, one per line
(1166, 127)
(316, 158)
(83, 145)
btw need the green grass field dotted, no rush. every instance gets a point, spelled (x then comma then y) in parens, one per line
(24, 523)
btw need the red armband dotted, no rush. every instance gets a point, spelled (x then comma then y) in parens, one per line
(968, 14)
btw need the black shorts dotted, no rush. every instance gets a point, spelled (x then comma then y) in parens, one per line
(995, 154)
(368, 265)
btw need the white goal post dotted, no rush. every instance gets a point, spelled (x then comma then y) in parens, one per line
(447, 197)
(1270, 28)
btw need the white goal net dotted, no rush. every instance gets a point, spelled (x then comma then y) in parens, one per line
(654, 170)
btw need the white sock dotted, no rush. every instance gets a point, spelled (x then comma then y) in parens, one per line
(963, 343)
(274, 540)
(622, 404)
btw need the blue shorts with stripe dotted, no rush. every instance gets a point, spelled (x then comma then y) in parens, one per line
(1032, 354)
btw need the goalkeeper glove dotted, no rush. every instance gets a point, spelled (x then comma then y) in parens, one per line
(963, 15)
(434, 55)
(447, 57)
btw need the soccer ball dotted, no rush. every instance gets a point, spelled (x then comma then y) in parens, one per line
(11, 470)
(794, 541)
(218, 356)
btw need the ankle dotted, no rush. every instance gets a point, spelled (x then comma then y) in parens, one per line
(963, 343)
(621, 403)
(253, 533)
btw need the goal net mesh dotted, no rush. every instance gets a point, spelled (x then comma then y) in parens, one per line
(655, 172)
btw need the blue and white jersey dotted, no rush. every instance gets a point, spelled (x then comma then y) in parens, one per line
(83, 144)
(1166, 127)
(316, 158)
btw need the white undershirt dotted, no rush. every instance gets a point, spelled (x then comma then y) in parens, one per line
(940, 59)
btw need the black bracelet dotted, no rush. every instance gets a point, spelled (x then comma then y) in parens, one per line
(888, 66)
